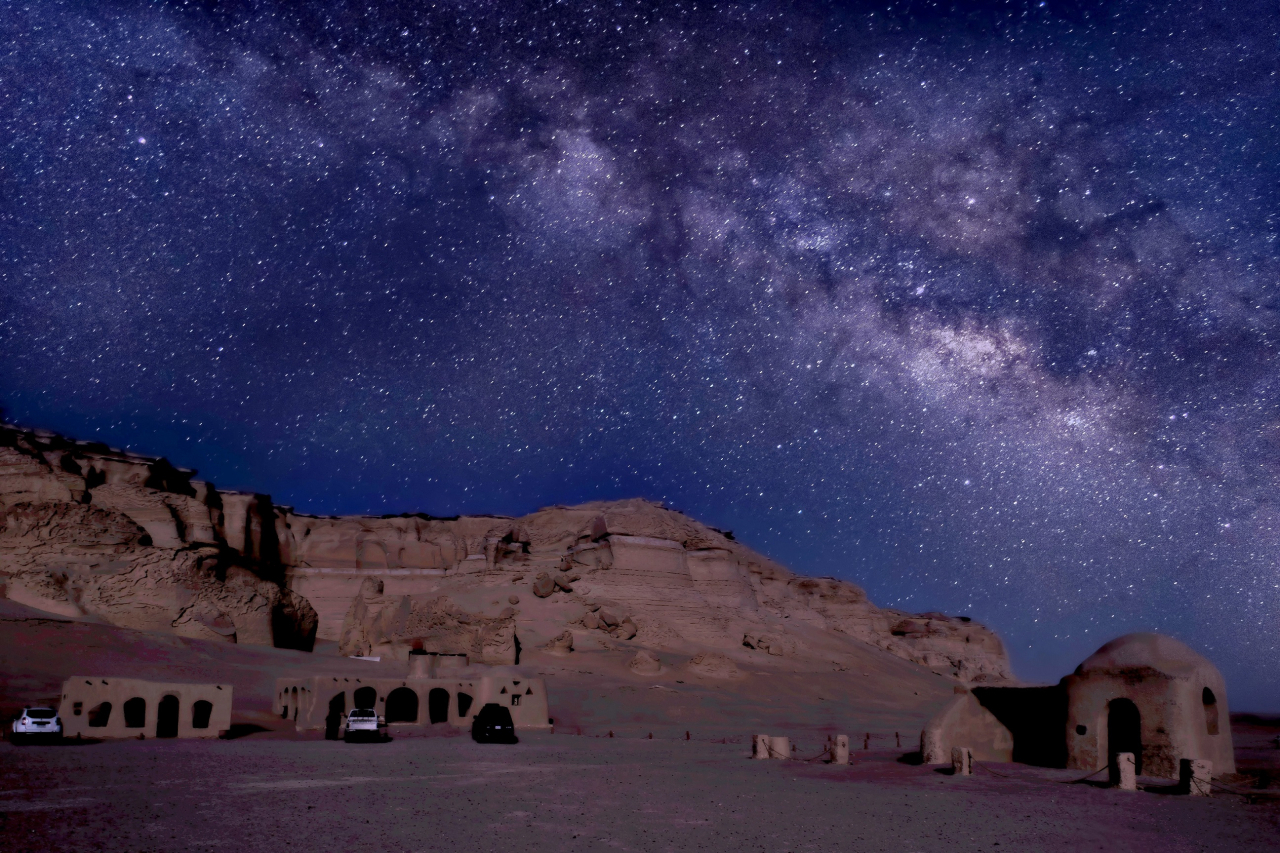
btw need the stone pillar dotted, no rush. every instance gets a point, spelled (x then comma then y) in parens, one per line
(1194, 775)
(931, 748)
(1122, 772)
(780, 748)
(961, 761)
(760, 747)
(838, 749)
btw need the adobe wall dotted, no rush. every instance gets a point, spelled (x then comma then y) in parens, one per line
(83, 695)
(1173, 721)
(525, 698)
(964, 722)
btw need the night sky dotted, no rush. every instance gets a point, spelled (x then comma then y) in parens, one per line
(975, 305)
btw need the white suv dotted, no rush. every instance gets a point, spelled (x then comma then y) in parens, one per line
(36, 724)
(363, 724)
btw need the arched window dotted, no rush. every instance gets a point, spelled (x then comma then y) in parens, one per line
(402, 706)
(100, 715)
(365, 697)
(1210, 711)
(135, 713)
(201, 711)
(464, 704)
(295, 704)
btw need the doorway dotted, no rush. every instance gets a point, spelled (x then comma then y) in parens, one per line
(438, 705)
(402, 706)
(167, 717)
(333, 720)
(1124, 731)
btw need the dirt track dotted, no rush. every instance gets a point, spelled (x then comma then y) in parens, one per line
(559, 792)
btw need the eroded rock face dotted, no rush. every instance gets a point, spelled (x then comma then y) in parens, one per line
(645, 573)
(395, 625)
(85, 530)
(141, 543)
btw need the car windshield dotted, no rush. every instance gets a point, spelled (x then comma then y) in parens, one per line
(42, 713)
(363, 714)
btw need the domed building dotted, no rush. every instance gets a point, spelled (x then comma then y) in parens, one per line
(1150, 695)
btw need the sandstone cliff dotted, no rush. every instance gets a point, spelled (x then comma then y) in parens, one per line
(137, 542)
(86, 530)
(606, 572)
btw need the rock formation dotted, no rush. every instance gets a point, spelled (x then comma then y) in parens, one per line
(90, 531)
(137, 542)
(620, 571)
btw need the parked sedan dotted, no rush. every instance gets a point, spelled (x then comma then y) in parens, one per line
(36, 724)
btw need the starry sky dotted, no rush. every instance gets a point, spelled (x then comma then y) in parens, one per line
(974, 305)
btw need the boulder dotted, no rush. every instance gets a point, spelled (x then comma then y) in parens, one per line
(561, 645)
(626, 630)
(645, 663)
(543, 585)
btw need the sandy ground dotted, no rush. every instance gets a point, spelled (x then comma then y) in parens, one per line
(566, 792)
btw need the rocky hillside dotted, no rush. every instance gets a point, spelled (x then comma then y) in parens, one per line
(87, 530)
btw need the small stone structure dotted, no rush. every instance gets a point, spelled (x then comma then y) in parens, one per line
(97, 707)
(1194, 776)
(318, 703)
(838, 749)
(961, 761)
(1150, 695)
(964, 722)
(1144, 694)
(1123, 771)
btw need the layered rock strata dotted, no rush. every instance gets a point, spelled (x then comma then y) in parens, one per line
(86, 530)
(624, 570)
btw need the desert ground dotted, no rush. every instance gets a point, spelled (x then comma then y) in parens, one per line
(274, 792)
(270, 788)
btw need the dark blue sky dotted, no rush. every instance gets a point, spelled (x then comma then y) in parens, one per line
(974, 305)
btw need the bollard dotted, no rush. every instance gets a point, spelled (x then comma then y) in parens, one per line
(866, 741)
(1123, 775)
(838, 749)
(961, 761)
(780, 748)
(1194, 775)
(760, 746)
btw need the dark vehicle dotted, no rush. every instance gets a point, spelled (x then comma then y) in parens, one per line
(493, 725)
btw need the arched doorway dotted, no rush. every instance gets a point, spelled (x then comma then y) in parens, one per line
(1210, 711)
(333, 720)
(201, 711)
(167, 717)
(135, 713)
(1124, 731)
(438, 705)
(365, 697)
(402, 706)
(464, 704)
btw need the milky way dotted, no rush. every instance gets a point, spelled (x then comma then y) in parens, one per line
(976, 306)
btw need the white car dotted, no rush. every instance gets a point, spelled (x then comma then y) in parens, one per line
(363, 724)
(36, 724)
